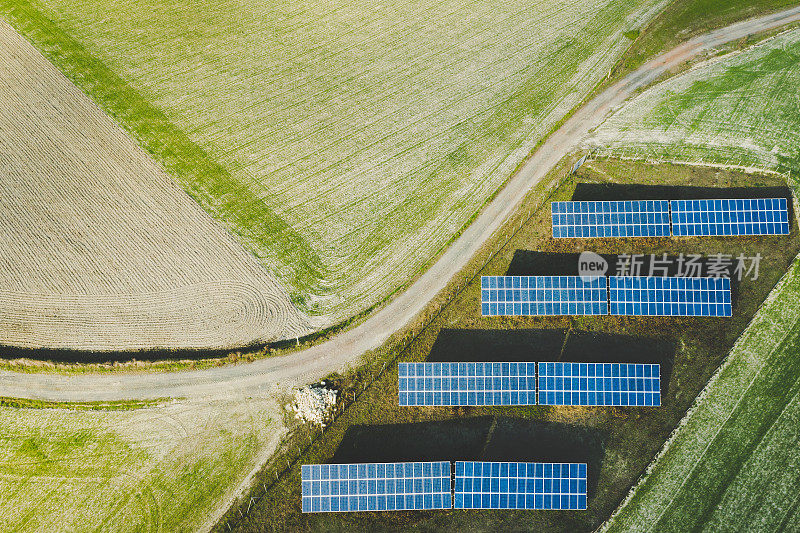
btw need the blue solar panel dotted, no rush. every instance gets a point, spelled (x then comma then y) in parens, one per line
(467, 384)
(754, 216)
(630, 384)
(630, 218)
(670, 296)
(481, 485)
(376, 487)
(543, 295)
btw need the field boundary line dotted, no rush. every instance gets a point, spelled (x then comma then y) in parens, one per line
(185, 161)
(702, 398)
(730, 412)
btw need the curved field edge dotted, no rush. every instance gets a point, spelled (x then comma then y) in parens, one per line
(194, 169)
(22, 365)
(102, 251)
(683, 19)
(739, 110)
(402, 258)
(732, 417)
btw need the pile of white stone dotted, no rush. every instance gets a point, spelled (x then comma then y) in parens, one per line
(314, 403)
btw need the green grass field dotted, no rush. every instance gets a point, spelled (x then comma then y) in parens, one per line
(343, 143)
(741, 109)
(617, 443)
(683, 19)
(164, 468)
(733, 465)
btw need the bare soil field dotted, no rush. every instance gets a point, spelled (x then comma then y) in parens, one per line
(99, 249)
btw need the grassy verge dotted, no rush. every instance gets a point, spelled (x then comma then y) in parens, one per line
(618, 443)
(72, 362)
(733, 463)
(121, 405)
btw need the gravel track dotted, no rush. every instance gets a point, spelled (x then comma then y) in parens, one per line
(264, 375)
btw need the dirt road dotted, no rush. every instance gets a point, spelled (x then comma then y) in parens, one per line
(265, 375)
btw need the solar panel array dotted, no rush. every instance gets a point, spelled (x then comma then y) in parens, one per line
(543, 295)
(630, 295)
(755, 216)
(441, 384)
(636, 218)
(376, 487)
(482, 485)
(660, 218)
(623, 384)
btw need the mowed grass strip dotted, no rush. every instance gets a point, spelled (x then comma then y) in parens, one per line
(344, 143)
(733, 464)
(122, 405)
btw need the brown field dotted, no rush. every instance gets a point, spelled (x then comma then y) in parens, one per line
(99, 249)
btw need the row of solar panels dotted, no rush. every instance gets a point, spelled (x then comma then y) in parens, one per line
(620, 295)
(427, 485)
(653, 218)
(478, 384)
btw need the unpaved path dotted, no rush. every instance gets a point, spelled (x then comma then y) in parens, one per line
(264, 375)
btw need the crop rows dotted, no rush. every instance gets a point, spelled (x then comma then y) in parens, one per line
(732, 464)
(100, 249)
(742, 110)
(374, 129)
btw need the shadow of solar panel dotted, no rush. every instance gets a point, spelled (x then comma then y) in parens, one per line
(657, 296)
(375, 487)
(629, 218)
(448, 384)
(485, 485)
(543, 295)
(599, 384)
(747, 216)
